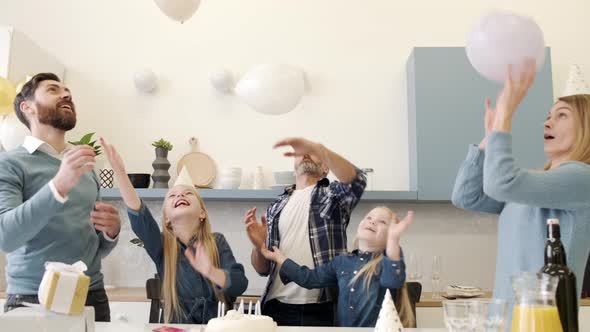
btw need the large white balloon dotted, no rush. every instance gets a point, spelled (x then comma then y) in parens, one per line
(12, 132)
(272, 88)
(502, 38)
(145, 80)
(178, 10)
(222, 80)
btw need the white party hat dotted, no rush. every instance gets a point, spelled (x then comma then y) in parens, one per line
(184, 178)
(575, 84)
(388, 320)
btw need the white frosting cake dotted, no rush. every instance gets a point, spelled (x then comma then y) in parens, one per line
(236, 321)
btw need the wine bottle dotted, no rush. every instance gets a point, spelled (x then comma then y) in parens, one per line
(566, 296)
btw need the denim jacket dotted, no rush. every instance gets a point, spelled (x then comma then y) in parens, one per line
(357, 306)
(195, 292)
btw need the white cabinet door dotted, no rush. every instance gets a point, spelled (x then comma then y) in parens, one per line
(584, 319)
(20, 56)
(130, 312)
(5, 39)
(429, 317)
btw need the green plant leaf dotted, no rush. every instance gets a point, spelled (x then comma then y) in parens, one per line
(86, 138)
(162, 143)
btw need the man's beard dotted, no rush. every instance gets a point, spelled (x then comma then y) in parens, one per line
(52, 116)
(309, 168)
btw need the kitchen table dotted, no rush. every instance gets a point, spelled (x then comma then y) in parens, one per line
(125, 327)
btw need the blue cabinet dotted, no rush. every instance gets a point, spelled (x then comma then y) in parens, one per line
(446, 113)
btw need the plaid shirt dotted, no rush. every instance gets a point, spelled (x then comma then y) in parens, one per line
(330, 210)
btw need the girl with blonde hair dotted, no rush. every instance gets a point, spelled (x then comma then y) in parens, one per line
(197, 266)
(363, 275)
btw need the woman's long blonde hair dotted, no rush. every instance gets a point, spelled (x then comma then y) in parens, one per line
(581, 110)
(371, 268)
(203, 234)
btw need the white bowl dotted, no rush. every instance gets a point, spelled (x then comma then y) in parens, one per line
(230, 183)
(232, 170)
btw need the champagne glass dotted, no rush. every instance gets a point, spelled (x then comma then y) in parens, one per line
(436, 272)
(414, 268)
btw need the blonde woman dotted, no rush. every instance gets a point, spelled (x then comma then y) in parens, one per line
(490, 181)
(197, 266)
(363, 275)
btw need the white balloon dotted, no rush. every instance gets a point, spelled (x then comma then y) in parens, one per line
(145, 80)
(272, 88)
(178, 10)
(503, 38)
(12, 132)
(222, 80)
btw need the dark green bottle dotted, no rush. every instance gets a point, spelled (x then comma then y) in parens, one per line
(566, 296)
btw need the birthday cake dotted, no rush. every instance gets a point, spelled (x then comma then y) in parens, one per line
(237, 321)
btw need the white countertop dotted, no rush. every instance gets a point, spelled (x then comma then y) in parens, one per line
(123, 327)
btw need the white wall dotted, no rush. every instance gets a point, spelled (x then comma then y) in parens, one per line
(353, 52)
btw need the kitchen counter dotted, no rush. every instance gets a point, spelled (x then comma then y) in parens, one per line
(138, 295)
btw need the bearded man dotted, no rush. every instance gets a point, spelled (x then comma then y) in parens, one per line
(49, 199)
(308, 224)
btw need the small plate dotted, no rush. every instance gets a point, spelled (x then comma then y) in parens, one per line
(453, 297)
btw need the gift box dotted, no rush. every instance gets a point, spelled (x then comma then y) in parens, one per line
(38, 319)
(64, 288)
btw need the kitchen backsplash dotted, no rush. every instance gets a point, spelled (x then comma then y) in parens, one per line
(466, 242)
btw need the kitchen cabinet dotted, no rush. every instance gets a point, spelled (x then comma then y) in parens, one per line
(20, 56)
(446, 113)
(130, 312)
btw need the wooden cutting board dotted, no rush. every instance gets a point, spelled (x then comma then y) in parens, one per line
(199, 165)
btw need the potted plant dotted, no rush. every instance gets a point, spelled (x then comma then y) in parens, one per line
(162, 143)
(161, 164)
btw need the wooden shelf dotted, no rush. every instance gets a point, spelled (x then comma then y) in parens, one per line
(254, 195)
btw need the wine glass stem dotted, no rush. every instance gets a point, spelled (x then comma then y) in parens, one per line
(435, 289)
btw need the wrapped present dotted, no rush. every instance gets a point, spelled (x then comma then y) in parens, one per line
(64, 288)
(38, 319)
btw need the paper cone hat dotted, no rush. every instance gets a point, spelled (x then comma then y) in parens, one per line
(388, 320)
(575, 84)
(184, 179)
